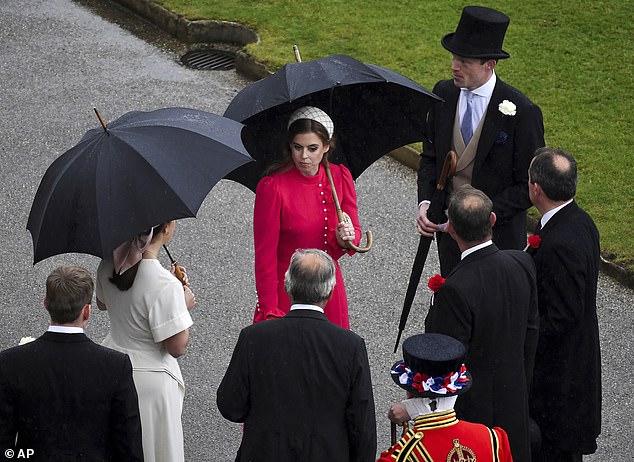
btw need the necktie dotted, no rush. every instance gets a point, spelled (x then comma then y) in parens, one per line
(465, 127)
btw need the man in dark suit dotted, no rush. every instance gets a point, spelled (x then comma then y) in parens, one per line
(489, 303)
(63, 396)
(301, 384)
(492, 126)
(566, 391)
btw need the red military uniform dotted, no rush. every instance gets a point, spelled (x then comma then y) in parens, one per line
(441, 437)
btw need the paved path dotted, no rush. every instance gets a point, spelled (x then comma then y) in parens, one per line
(59, 59)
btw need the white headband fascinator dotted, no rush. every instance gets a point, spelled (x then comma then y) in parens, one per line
(313, 113)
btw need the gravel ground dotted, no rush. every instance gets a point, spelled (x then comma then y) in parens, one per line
(59, 59)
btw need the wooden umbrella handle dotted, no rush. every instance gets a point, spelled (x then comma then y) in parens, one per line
(178, 270)
(448, 169)
(343, 217)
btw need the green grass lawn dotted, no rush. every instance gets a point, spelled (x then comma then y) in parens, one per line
(574, 59)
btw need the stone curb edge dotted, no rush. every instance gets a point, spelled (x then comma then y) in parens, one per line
(226, 32)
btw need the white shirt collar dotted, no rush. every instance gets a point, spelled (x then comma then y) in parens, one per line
(470, 250)
(551, 213)
(300, 306)
(420, 406)
(480, 98)
(66, 329)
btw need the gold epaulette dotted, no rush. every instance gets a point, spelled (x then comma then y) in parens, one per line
(412, 449)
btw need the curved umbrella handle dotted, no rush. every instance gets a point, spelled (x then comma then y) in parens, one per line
(343, 217)
(368, 235)
(368, 245)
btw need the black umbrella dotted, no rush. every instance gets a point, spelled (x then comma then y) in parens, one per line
(143, 169)
(375, 110)
(435, 213)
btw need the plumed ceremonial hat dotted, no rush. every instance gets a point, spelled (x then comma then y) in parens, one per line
(432, 366)
(480, 34)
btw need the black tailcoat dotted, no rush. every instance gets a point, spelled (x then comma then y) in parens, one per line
(69, 399)
(566, 391)
(505, 149)
(489, 303)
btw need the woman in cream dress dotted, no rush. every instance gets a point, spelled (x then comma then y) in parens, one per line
(149, 320)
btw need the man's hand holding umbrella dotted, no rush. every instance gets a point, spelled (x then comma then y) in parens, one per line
(431, 215)
(424, 225)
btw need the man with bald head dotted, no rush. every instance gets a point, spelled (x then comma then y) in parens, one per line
(566, 392)
(489, 303)
(301, 384)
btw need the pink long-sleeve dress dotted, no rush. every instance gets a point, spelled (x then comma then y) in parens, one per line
(293, 211)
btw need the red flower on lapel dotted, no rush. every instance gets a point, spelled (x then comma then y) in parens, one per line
(534, 241)
(436, 282)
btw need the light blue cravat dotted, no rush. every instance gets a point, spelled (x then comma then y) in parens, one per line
(465, 127)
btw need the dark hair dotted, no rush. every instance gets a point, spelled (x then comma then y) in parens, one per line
(470, 214)
(558, 181)
(301, 126)
(68, 290)
(125, 280)
(310, 277)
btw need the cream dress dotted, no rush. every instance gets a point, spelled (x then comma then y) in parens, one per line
(152, 310)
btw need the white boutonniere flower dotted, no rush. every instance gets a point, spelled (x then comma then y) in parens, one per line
(507, 108)
(24, 340)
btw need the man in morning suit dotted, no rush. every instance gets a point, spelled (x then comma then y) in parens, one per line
(301, 384)
(65, 397)
(434, 376)
(494, 142)
(566, 392)
(489, 303)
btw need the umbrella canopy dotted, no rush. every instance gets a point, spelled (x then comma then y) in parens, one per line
(145, 168)
(375, 110)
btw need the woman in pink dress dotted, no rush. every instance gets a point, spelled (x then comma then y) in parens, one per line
(294, 209)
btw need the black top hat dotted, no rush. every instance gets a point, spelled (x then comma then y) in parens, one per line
(432, 366)
(480, 34)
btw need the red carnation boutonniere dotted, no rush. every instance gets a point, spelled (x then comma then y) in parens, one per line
(534, 241)
(436, 282)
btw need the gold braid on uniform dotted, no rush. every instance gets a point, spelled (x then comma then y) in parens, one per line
(495, 445)
(412, 449)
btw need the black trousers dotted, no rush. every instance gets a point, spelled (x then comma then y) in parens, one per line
(550, 453)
